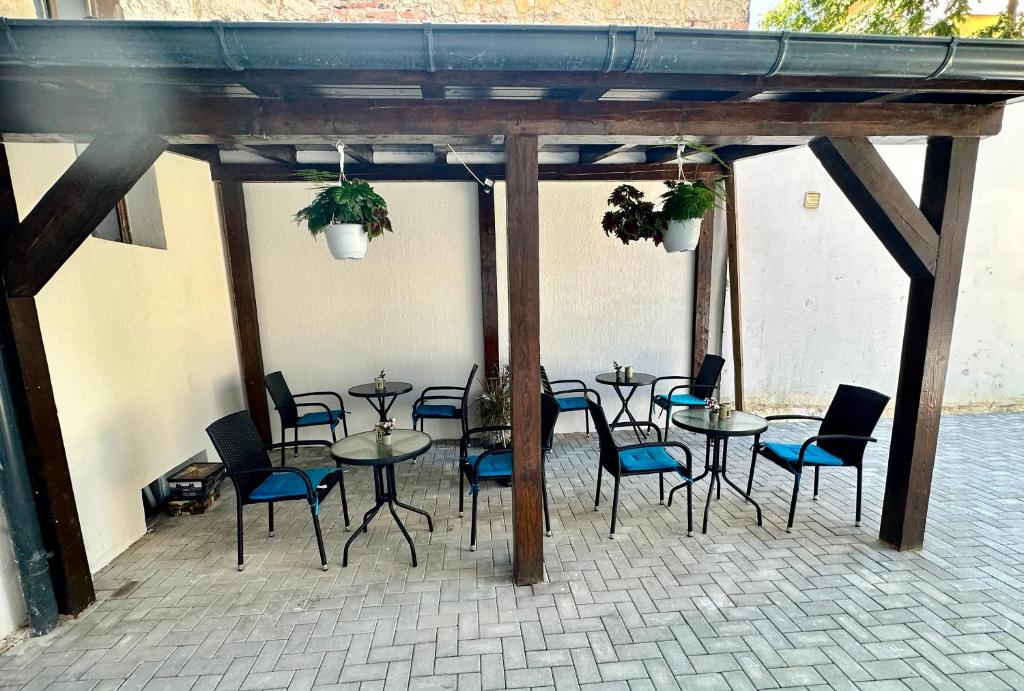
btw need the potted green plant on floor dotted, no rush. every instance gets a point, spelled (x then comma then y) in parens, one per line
(348, 212)
(494, 406)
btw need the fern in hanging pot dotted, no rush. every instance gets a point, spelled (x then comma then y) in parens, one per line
(348, 212)
(684, 206)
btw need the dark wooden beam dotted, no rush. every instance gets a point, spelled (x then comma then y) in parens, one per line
(877, 194)
(488, 279)
(209, 119)
(702, 291)
(736, 152)
(732, 223)
(593, 153)
(39, 426)
(931, 306)
(235, 229)
(432, 91)
(73, 207)
(524, 344)
(452, 172)
(360, 152)
(200, 152)
(280, 153)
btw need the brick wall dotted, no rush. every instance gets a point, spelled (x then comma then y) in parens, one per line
(733, 14)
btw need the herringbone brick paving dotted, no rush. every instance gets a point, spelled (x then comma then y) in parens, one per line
(741, 607)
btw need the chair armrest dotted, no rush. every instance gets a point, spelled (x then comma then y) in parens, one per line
(488, 428)
(443, 388)
(585, 390)
(335, 394)
(654, 384)
(793, 417)
(326, 408)
(641, 423)
(301, 442)
(827, 437)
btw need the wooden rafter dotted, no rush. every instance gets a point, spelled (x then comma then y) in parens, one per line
(877, 194)
(73, 207)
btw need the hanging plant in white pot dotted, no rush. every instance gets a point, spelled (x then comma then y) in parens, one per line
(684, 206)
(348, 212)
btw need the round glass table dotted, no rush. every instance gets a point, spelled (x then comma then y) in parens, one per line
(718, 432)
(363, 450)
(381, 399)
(619, 382)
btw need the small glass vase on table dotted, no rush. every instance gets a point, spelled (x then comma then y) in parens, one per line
(384, 430)
(379, 381)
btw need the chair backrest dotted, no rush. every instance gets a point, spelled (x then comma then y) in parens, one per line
(239, 446)
(609, 449)
(548, 417)
(854, 410)
(707, 376)
(465, 399)
(545, 383)
(281, 395)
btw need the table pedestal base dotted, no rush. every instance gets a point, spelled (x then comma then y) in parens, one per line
(384, 489)
(717, 470)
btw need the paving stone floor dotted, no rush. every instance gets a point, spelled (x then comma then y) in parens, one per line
(741, 607)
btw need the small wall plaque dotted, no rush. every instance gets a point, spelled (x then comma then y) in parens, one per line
(812, 200)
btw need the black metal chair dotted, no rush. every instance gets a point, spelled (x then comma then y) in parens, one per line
(257, 481)
(288, 410)
(496, 464)
(640, 459)
(689, 395)
(426, 409)
(567, 404)
(843, 435)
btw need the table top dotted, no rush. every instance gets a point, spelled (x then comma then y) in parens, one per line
(638, 379)
(391, 388)
(739, 425)
(362, 448)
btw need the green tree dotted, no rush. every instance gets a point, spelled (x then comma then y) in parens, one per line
(903, 17)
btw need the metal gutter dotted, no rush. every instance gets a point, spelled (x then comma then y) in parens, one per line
(497, 47)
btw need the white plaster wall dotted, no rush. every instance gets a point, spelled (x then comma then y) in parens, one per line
(140, 345)
(411, 307)
(824, 303)
(601, 300)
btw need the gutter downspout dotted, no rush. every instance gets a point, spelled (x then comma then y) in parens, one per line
(22, 519)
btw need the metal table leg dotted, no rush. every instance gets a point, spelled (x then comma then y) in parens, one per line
(384, 490)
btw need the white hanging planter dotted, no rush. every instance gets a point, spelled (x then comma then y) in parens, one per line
(682, 236)
(347, 240)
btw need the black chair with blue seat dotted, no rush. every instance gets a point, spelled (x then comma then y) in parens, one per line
(842, 437)
(288, 410)
(690, 395)
(256, 480)
(640, 459)
(455, 407)
(495, 465)
(567, 402)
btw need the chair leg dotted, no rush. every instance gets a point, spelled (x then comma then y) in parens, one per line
(344, 499)
(544, 492)
(661, 488)
(462, 490)
(270, 517)
(344, 423)
(238, 521)
(472, 530)
(689, 508)
(792, 503)
(615, 508)
(334, 435)
(586, 421)
(597, 494)
(668, 421)
(319, 538)
(815, 497)
(750, 477)
(296, 439)
(859, 480)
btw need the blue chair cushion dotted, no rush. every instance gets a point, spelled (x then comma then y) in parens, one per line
(679, 399)
(494, 466)
(790, 453)
(288, 485)
(646, 460)
(320, 418)
(572, 403)
(427, 410)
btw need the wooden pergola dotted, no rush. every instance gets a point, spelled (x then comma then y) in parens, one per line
(257, 122)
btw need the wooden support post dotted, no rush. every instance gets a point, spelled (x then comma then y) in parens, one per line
(488, 279)
(39, 426)
(702, 291)
(234, 226)
(732, 230)
(524, 345)
(945, 201)
(73, 207)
